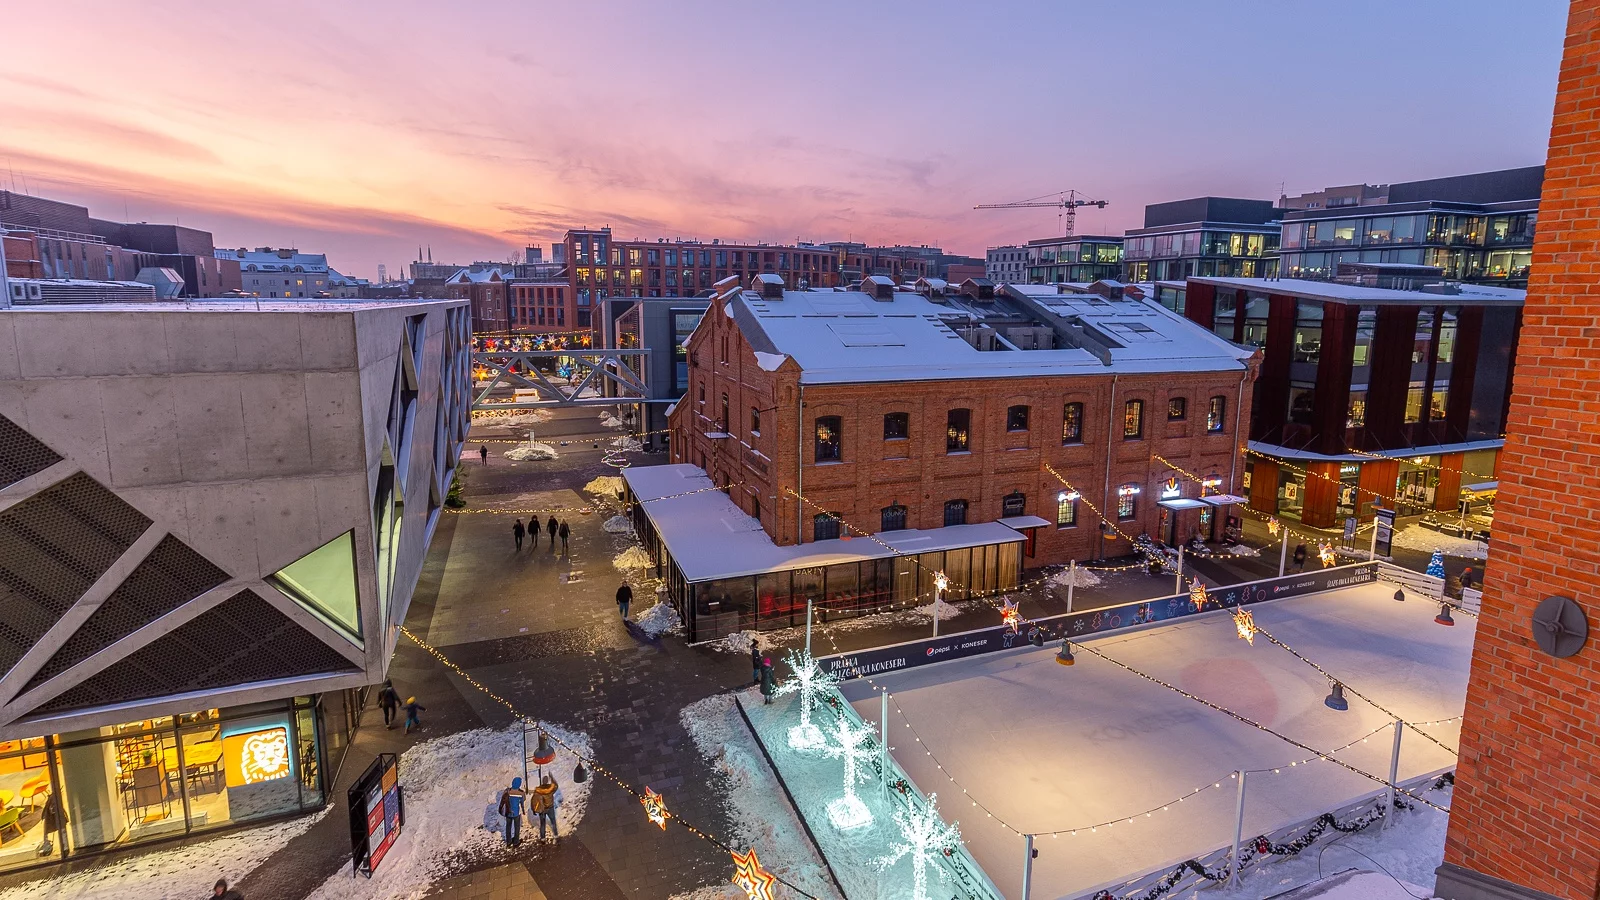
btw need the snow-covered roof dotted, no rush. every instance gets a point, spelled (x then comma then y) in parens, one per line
(479, 276)
(848, 337)
(276, 261)
(710, 537)
(1355, 293)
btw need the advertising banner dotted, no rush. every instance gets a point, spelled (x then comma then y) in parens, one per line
(377, 810)
(1383, 520)
(909, 655)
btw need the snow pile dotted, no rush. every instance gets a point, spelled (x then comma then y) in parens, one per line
(740, 642)
(659, 619)
(518, 417)
(760, 816)
(604, 485)
(1079, 577)
(627, 443)
(769, 361)
(610, 420)
(452, 787)
(617, 525)
(1415, 537)
(631, 558)
(1241, 550)
(187, 871)
(531, 450)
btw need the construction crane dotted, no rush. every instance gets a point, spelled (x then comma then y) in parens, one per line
(1067, 201)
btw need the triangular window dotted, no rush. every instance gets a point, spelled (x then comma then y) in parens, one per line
(324, 582)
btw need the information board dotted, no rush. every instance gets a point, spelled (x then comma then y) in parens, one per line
(377, 812)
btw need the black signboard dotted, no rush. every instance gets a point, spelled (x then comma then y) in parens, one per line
(1383, 521)
(377, 811)
(909, 655)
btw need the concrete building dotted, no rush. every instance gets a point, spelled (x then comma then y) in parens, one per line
(1006, 265)
(928, 422)
(661, 325)
(273, 273)
(212, 518)
(1212, 236)
(1081, 258)
(1336, 197)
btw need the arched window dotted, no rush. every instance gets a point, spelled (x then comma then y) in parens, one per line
(1133, 420)
(828, 444)
(896, 426)
(1072, 423)
(955, 512)
(1017, 418)
(958, 422)
(1216, 415)
(1128, 501)
(893, 518)
(1013, 504)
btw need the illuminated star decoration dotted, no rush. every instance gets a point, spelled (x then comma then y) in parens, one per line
(655, 808)
(1246, 624)
(1010, 615)
(1273, 527)
(1325, 551)
(749, 877)
(1197, 595)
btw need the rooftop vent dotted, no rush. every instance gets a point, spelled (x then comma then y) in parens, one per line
(881, 287)
(770, 285)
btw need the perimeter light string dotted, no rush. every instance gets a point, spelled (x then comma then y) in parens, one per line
(1334, 678)
(1309, 474)
(595, 766)
(1419, 465)
(1319, 539)
(1257, 725)
(1087, 502)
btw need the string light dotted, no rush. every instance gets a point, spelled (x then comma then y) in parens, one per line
(1010, 615)
(655, 808)
(1245, 624)
(1421, 465)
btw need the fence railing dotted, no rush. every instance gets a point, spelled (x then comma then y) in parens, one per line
(1430, 586)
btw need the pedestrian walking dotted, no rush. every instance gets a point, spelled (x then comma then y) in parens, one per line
(221, 891)
(511, 800)
(1299, 557)
(413, 720)
(544, 803)
(755, 664)
(483, 453)
(564, 532)
(389, 702)
(769, 685)
(517, 532)
(551, 527)
(624, 599)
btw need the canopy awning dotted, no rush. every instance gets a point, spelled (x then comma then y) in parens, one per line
(1023, 522)
(1224, 499)
(1181, 503)
(1484, 488)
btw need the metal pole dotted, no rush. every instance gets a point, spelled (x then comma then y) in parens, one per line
(808, 626)
(1027, 866)
(1372, 554)
(1394, 769)
(883, 739)
(1177, 580)
(5, 284)
(1283, 554)
(1072, 581)
(1238, 834)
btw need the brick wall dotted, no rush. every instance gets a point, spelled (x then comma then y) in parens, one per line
(1527, 798)
(919, 474)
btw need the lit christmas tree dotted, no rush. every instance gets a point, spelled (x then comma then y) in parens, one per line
(848, 811)
(927, 838)
(810, 682)
(1436, 564)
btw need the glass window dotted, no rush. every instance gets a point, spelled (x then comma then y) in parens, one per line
(1216, 414)
(896, 426)
(1301, 399)
(957, 423)
(1177, 409)
(722, 420)
(1366, 323)
(755, 421)
(1446, 350)
(1225, 311)
(1133, 420)
(1014, 504)
(892, 518)
(957, 568)
(828, 443)
(955, 513)
(1358, 410)
(324, 582)
(824, 527)
(1017, 418)
(1072, 423)
(1414, 402)
(1294, 234)
(1439, 400)
(1066, 510)
(1308, 331)
(1127, 501)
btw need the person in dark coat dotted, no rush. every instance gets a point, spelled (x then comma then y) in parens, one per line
(624, 599)
(389, 702)
(551, 527)
(483, 453)
(1299, 557)
(413, 720)
(755, 664)
(221, 891)
(511, 800)
(769, 685)
(517, 532)
(564, 532)
(1466, 578)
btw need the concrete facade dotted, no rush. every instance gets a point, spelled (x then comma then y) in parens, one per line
(253, 435)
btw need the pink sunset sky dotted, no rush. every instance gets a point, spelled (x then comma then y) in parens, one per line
(364, 129)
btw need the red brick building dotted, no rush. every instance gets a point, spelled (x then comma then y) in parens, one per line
(543, 306)
(486, 290)
(1525, 818)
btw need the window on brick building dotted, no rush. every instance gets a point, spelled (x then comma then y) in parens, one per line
(702, 397)
(755, 508)
(1017, 418)
(955, 512)
(1133, 420)
(755, 421)
(1128, 501)
(896, 426)
(824, 527)
(892, 518)
(1066, 510)
(1216, 415)
(1014, 504)
(1177, 409)
(722, 420)
(828, 444)
(1072, 423)
(957, 424)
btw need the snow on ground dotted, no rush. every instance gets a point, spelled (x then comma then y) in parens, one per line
(761, 816)
(610, 420)
(632, 558)
(627, 443)
(182, 872)
(1047, 747)
(1426, 540)
(608, 486)
(741, 642)
(659, 619)
(531, 450)
(513, 418)
(617, 525)
(452, 786)
(1079, 577)
(1241, 550)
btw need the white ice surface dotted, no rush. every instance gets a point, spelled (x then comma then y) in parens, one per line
(1050, 747)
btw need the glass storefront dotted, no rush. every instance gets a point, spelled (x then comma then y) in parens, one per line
(104, 788)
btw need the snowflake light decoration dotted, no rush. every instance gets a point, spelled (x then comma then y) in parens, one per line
(811, 683)
(1197, 595)
(1325, 553)
(1010, 615)
(655, 808)
(749, 877)
(940, 583)
(927, 838)
(1246, 625)
(849, 812)
(1274, 526)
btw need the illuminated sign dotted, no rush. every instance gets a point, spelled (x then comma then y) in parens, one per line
(1170, 489)
(1127, 490)
(252, 757)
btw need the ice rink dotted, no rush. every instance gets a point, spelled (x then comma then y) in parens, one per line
(1048, 747)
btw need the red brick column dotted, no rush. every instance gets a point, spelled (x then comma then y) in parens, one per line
(1525, 818)
(1377, 485)
(1321, 501)
(1264, 486)
(1447, 496)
